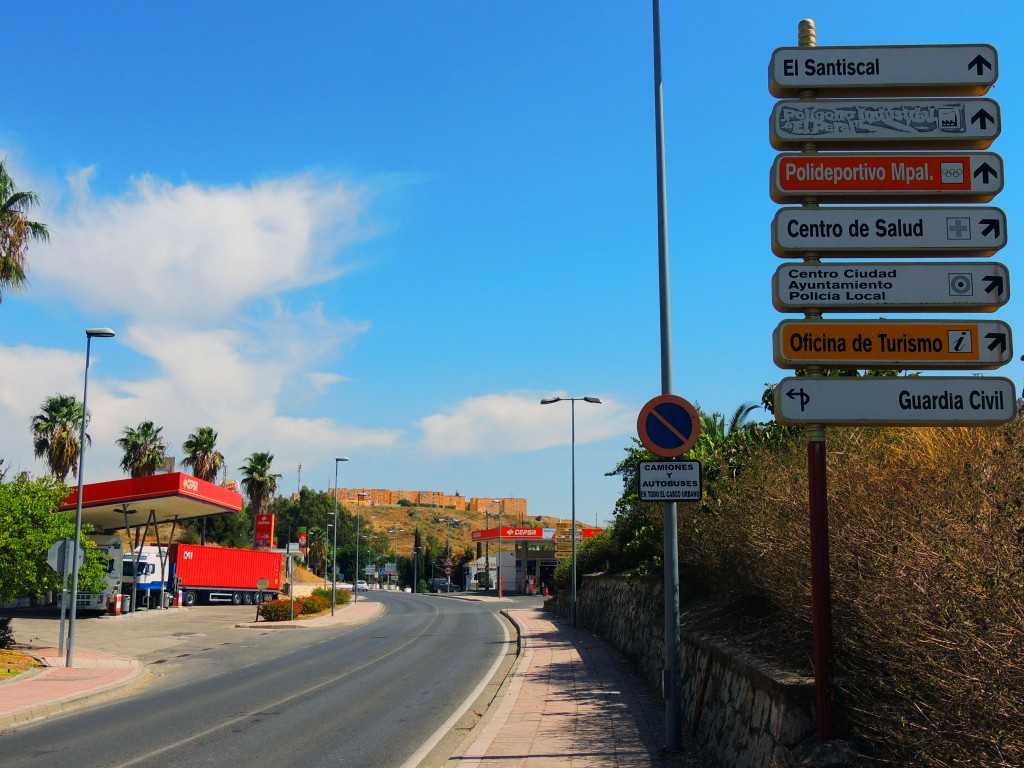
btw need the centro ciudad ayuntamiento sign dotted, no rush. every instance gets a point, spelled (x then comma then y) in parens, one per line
(896, 98)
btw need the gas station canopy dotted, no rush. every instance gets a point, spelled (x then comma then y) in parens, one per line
(510, 532)
(159, 498)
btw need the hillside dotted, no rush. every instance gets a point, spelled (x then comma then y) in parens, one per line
(430, 522)
(380, 518)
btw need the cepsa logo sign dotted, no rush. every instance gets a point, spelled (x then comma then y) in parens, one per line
(521, 533)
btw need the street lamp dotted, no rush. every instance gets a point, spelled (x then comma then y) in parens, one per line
(355, 581)
(448, 546)
(104, 333)
(394, 532)
(330, 526)
(334, 543)
(572, 406)
(500, 589)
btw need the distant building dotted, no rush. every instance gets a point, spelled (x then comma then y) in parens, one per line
(514, 507)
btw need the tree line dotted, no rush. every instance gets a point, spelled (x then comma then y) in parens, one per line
(55, 440)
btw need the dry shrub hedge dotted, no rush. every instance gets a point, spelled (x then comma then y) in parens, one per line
(927, 556)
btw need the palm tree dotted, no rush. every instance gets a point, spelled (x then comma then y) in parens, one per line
(16, 231)
(258, 482)
(144, 449)
(201, 454)
(714, 425)
(55, 434)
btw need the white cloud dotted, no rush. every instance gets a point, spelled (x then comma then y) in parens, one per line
(194, 255)
(195, 277)
(516, 423)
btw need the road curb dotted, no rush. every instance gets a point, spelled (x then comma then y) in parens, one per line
(320, 622)
(138, 677)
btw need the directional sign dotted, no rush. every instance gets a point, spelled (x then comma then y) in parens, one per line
(962, 286)
(948, 123)
(884, 344)
(55, 556)
(668, 426)
(670, 481)
(884, 70)
(896, 401)
(906, 231)
(908, 177)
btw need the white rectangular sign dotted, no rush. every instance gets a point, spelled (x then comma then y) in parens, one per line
(666, 480)
(896, 401)
(905, 231)
(901, 286)
(884, 70)
(948, 123)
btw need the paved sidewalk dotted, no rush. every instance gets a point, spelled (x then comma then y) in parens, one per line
(95, 677)
(98, 676)
(570, 703)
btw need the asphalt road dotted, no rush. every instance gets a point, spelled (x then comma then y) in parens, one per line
(356, 696)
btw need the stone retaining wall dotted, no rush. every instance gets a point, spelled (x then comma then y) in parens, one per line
(744, 712)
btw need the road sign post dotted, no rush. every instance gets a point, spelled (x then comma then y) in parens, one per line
(65, 558)
(883, 98)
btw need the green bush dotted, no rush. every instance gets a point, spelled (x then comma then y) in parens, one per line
(312, 604)
(276, 610)
(600, 554)
(6, 633)
(343, 596)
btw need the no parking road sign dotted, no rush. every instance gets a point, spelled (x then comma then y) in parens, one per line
(668, 426)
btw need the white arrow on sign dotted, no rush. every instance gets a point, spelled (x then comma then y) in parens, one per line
(948, 123)
(964, 70)
(961, 286)
(902, 401)
(905, 231)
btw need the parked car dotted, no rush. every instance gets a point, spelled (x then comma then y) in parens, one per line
(442, 585)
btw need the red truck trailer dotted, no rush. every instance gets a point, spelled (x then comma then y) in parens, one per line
(223, 575)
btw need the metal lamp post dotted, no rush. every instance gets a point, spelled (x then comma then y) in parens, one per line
(104, 333)
(355, 581)
(394, 532)
(330, 526)
(448, 546)
(334, 543)
(498, 580)
(572, 406)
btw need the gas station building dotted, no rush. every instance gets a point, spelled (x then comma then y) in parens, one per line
(528, 556)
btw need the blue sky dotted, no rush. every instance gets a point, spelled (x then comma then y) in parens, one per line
(386, 230)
